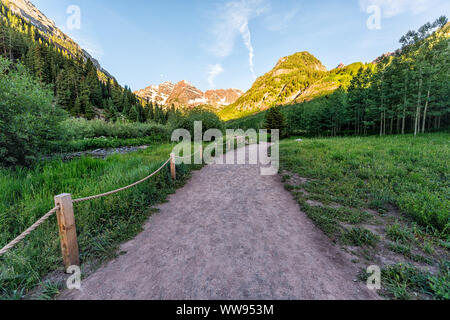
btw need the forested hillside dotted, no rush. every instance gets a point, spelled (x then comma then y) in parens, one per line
(48, 82)
(78, 86)
(405, 92)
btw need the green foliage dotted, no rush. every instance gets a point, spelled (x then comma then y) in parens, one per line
(398, 233)
(78, 86)
(404, 93)
(403, 280)
(186, 121)
(291, 74)
(27, 194)
(400, 248)
(28, 120)
(275, 120)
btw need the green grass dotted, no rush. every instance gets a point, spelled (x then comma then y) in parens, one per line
(27, 194)
(398, 233)
(360, 237)
(403, 179)
(411, 173)
(404, 282)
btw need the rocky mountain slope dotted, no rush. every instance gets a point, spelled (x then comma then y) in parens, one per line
(285, 82)
(184, 94)
(26, 10)
(294, 79)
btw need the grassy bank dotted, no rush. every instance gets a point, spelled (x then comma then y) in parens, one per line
(27, 194)
(384, 200)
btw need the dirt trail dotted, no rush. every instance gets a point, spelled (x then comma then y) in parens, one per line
(229, 233)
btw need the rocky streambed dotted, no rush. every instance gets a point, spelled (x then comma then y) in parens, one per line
(98, 153)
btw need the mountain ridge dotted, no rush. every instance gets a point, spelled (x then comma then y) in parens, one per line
(28, 11)
(287, 81)
(184, 94)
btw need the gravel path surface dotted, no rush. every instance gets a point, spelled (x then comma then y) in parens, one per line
(229, 233)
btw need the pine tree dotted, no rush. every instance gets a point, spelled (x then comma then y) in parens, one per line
(275, 120)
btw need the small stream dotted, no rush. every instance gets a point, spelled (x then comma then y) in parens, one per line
(98, 153)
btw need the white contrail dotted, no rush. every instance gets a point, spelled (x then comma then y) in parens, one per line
(214, 71)
(247, 37)
(233, 19)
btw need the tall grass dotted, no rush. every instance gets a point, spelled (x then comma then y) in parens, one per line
(25, 195)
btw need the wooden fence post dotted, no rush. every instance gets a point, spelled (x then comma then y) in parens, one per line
(201, 153)
(67, 230)
(173, 168)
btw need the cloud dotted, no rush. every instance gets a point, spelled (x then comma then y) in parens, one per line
(280, 21)
(93, 48)
(214, 71)
(391, 8)
(233, 20)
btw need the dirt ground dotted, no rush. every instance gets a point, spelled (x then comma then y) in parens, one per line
(229, 233)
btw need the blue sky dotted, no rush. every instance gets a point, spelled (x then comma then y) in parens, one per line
(225, 44)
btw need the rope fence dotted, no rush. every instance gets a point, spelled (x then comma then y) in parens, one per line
(121, 189)
(66, 218)
(13, 243)
(63, 219)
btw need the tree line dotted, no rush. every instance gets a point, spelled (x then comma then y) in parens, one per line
(406, 92)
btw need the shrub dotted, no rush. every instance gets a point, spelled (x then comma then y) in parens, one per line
(28, 119)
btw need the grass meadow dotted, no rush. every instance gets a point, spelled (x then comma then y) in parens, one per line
(383, 199)
(27, 194)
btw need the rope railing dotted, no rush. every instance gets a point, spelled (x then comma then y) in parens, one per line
(102, 195)
(66, 219)
(58, 209)
(13, 243)
(190, 155)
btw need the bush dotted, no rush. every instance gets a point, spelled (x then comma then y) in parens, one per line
(28, 119)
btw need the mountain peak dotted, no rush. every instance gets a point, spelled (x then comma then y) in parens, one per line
(286, 81)
(184, 94)
(300, 60)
